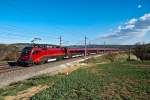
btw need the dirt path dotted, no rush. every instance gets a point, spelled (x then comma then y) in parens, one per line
(70, 69)
(26, 94)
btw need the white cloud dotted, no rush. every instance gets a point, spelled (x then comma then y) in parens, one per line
(139, 6)
(129, 26)
(145, 17)
(132, 21)
(133, 29)
(119, 27)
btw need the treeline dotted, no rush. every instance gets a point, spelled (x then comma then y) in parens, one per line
(142, 51)
(102, 46)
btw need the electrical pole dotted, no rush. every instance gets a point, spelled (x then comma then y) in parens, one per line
(85, 47)
(129, 58)
(60, 41)
(104, 46)
(144, 51)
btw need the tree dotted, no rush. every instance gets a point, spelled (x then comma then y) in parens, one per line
(139, 51)
(142, 51)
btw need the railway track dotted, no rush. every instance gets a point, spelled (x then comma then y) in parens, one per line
(6, 68)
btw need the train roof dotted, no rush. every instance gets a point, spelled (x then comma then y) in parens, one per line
(43, 46)
(111, 49)
(76, 49)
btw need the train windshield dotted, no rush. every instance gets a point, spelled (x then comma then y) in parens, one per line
(26, 51)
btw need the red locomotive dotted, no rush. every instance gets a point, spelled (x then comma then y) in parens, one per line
(42, 54)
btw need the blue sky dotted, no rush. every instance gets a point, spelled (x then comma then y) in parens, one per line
(99, 20)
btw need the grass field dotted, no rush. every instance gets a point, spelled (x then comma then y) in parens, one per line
(110, 81)
(123, 81)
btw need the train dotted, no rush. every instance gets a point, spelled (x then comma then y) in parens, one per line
(36, 54)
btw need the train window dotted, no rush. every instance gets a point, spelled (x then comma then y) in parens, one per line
(26, 51)
(35, 52)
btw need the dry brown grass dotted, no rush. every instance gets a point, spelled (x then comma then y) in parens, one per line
(26, 94)
(9, 52)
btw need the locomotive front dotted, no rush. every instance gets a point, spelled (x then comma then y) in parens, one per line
(25, 58)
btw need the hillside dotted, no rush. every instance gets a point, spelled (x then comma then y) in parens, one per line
(8, 52)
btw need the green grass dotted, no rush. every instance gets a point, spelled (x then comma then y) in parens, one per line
(73, 87)
(107, 81)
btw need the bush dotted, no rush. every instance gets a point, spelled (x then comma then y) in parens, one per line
(142, 52)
